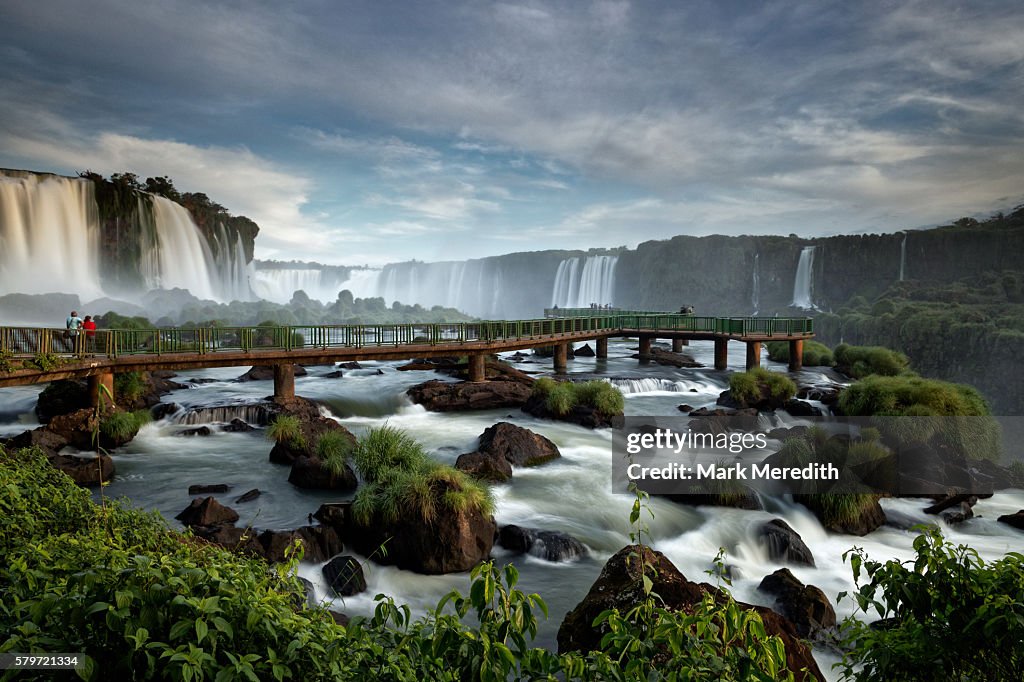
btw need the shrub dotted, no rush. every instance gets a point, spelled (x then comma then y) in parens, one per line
(385, 449)
(758, 385)
(860, 361)
(561, 399)
(129, 386)
(333, 449)
(946, 614)
(911, 396)
(286, 429)
(122, 426)
(815, 354)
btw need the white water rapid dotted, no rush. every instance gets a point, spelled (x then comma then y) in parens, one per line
(803, 283)
(578, 285)
(49, 236)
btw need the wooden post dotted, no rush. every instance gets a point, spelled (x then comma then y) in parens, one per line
(677, 345)
(284, 381)
(645, 349)
(721, 353)
(476, 367)
(107, 380)
(561, 356)
(796, 355)
(602, 347)
(753, 354)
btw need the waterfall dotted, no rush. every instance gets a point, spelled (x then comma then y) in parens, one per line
(280, 284)
(803, 283)
(49, 236)
(755, 295)
(577, 287)
(903, 258)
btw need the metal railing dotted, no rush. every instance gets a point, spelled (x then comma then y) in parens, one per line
(26, 341)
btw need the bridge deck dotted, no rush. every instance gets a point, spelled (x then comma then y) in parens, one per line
(51, 356)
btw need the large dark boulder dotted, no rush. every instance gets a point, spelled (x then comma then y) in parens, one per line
(544, 544)
(1016, 519)
(805, 605)
(800, 408)
(312, 424)
(320, 542)
(485, 467)
(620, 586)
(784, 543)
(266, 372)
(310, 472)
(206, 511)
(344, 575)
(85, 470)
(43, 438)
(61, 397)
(453, 542)
(584, 351)
(445, 396)
(79, 429)
(520, 447)
(213, 488)
(583, 415)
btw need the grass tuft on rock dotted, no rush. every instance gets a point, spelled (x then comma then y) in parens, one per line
(286, 429)
(333, 448)
(815, 354)
(561, 397)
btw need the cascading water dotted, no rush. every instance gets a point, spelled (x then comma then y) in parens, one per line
(174, 253)
(577, 287)
(903, 258)
(280, 284)
(803, 283)
(755, 295)
(49, 236)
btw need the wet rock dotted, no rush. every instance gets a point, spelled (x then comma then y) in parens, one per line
(337, 374)
(198, 431)
(42, 438)
(799, 408)
(85, 471)
(827, 394)
(163, 410)
(247, 496)
(79, 429)
(685, 408)
(344, 575)
(737, 497)
(444, 396)
(309, 592)
(349, 365)
(206, 512)
(585, 351)
(805, 605)
(339, 618)
(866, 517)
(544, 544)
(266, 372)
(200, 489)
(320, 542)
(61, 397)
(1016, 519)
(519, 446)
(312, 425)
(584, 415)
(670, 359)
(784, 543)
(620, 586)
(311, 473)
(484, 467)
(238, 426)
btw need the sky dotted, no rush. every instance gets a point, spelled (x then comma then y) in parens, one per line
(373, 132)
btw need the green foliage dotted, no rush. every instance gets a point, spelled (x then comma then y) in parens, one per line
(122, 426)
(404, 484)
(946, 614)
(287, 430)
(561, 397)
(860, 361)
(758, 385)
(46, 361)
(333, 449)
(5, 361)
(129, 386)
(815, 354)
(910, 396)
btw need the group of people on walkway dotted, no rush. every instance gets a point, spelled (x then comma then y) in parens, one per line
(74, 325)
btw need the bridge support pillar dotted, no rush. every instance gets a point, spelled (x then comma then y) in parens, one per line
(476, 367)
(721, 353)
(561, 357)
(753, 354)
(677, 345)
(96, 396)
(284, 381)
(796, 355)
(602, 347)
(645, 349)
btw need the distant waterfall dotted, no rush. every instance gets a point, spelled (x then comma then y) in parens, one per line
(176, 255)
(903, 258)
(579, 287)
(49, 236)
(280, 284)
(755, 289)
(803, 283)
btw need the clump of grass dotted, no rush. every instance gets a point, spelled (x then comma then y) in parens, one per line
(815, 354)
(404, 484)
(561, 397)
(333, 449)
(759, 384)
(287, 430)
(129, 386)
(122, 426)
(861, 361)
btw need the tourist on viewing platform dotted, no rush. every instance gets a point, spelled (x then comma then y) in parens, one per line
(72, 324)
(89, 325)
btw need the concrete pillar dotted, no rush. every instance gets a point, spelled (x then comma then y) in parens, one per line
(645, 349)
(677, 345)
(684, 342)
(476, 368)
(796, 354)
(602, 347)
(753, 354)
(561, 355)
(284, 380)
(721, 353)
(98, 397)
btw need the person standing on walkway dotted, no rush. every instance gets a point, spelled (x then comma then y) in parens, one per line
(72, 325)
(89, 325)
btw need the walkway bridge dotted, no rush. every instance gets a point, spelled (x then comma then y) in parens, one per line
(37, 355)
